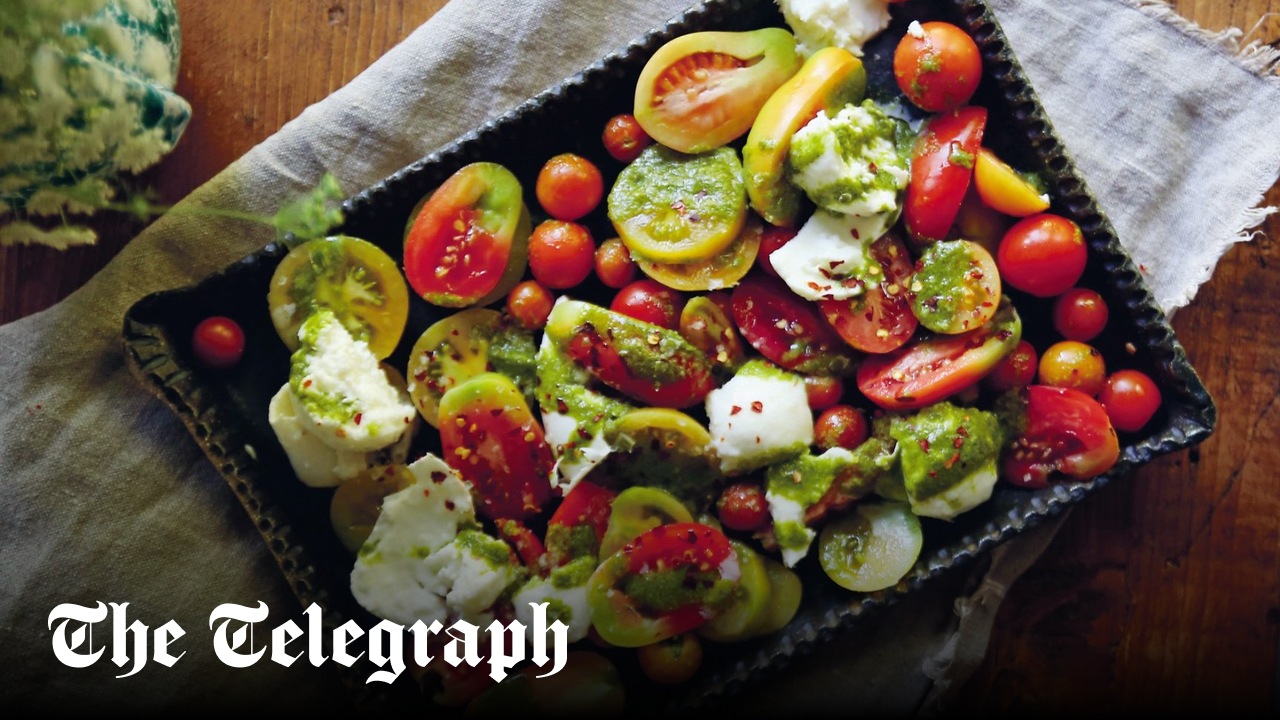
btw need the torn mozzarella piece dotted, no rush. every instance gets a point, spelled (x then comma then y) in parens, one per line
(760, 416)
(828, 259)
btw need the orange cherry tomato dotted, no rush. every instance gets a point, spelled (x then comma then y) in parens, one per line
(624, 138)
(530, 304)
(569, 186)
(561, 254)
(614, 265)
(938, 66)
(1004, 189)
(1075, 365)
(1131, 399)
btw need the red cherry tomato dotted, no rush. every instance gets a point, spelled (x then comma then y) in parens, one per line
(941, 169)
(1074, 365)
(650, 301)
(823, 391)
(1016, 370)
(569, 186)
(773, 238)
(1067, 432)
(624, 138)
(880, 320)
(218, 343)
(1043, 255)
(1080, 314)
(530, 304)
(742, 507)
(1131, 399)
(933, 369)
(842, 426)
(938, 69)
(787, 329)
(561, 254)
(614, 265)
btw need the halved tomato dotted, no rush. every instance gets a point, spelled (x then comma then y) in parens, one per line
(787, 329)
(637, 510)
(667, 581)
(648, 363)
(351, 277)
(488, 435)
(675, 208)
(937, 367)
(830, 79)
(1005, 189)
(457, 348)
(703, 90)
(956, 287)
(941, 169)
(1066, 432)
(467, 243)
(357, 503)
(720, 271)
(880, 319)
(578, 525)
(706, 325)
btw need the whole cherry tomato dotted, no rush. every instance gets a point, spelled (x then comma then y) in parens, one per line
(569, 186)
(218, 342)
(614, 265)
(561, 254)
(842, 426)
(1131, 399)
(624, 138)
(650, 301)
(1080, 314)
(1043, 255)
(671, 661)
(937, 66)
(742, 507)
(530, 304)
(1016, 370)
(823, 391)
(1073, 364)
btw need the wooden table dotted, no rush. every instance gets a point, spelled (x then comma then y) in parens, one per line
(1161, 593)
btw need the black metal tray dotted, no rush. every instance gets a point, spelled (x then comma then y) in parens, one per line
(226, 414)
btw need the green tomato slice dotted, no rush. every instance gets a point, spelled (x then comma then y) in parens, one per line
(674, 208)
(751, 600)
(351, 277)
(872, 547)
(785, 592)
(637, 510)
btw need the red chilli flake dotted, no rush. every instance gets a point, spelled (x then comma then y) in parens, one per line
(735, 410)
(924, 444)
(757, 406)
(358, 418)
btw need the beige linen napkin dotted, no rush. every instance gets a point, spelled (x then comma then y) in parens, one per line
(107, 499)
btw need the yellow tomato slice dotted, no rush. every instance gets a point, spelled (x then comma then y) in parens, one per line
(1004, 189)
(354, 278)
(720, 271)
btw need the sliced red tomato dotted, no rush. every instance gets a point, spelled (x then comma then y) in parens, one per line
(787, 329)
(645, 362)
(941, 169)
(937, 367)
(467, 243)
(488, 435)
(667, 581)
(879, 320)
(579, 524)
(526, 544)
(1067, 432)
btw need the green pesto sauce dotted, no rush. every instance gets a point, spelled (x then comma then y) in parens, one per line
(572, 541)
(575, 573)
(676, 192)
(945, 291)
(562, 388)
(513, 353)
(558, 609)
(666, 590)
(943, 444)
(338, 409)
(495, 553)
(792, 534)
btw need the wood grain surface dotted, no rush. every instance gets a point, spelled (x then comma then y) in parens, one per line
(1161, 594)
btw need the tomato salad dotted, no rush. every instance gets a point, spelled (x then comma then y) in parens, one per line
(811, 347)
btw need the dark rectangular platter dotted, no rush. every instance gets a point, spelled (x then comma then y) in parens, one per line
(226, 414)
